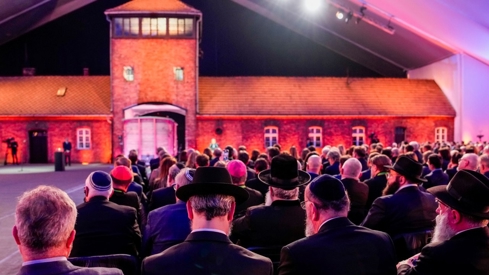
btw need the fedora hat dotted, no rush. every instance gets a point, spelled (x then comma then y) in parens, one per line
(409, 168)
(212, 181)
(283, 173)
(467, 192)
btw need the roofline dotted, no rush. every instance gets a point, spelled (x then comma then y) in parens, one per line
(55, 117)
(110, 13)
(210, 117)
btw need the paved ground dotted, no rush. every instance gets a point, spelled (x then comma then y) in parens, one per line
(14, 180)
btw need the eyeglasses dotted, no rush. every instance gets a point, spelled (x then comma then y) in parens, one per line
(303, 204)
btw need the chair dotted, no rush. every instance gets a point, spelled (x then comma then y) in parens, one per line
(409, 244)
(127, 263)
(271, 252)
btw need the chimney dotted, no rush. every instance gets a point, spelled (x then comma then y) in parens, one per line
(29, 71)
(86, 71)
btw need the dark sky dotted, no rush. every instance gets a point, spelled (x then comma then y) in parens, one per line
(235, 42)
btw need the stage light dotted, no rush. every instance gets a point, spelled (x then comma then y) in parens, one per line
(340, 15)
(312, 5)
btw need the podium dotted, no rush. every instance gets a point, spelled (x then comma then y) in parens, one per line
(59, 161)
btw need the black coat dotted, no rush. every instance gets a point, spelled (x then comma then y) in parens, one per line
(340, 247)
(375, 187)
(465, 253)
(65, 268)
(358, 194)
(130, 199)
(257, 185)
(333, 169)
(206, 253)
(277, 224)
(255, 198)
(436, 177)
(103, 228)
(161, 197)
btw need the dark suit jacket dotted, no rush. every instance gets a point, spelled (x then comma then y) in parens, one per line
(154, 163)
(364, 164)
(255, 198)
(366, 174)
(66, 146)
(333, 169)
(161, 197)
(277, 224)
(426, 170)
(103, 227)
(213, 161)
(465, 253)
(65, 268)
(206, 253)
(451, 172)
(166, 226)
(358, 194)
(408, 210)
(340, 247)
(257, 185)
(436, 177)
(130, 199)
(375, 187)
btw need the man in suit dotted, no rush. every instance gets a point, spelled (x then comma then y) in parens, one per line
(407, 209)
(238, 171)
(379, 180)
(334, 245)
(217, 156)
(360, 153)
(436, 176)
(260, 164)
(245, 158)
(357, 190)
(67, 151)
(333, 157)
(211, 200)
(44, 232)
(469, 161)
(281, 222)
(103, 227)
(159, 235)
(484, 164)
(460, 243)
(166, 195)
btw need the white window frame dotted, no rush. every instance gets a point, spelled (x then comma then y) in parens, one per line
(83, 139)
(270, 136)
(179, 73)
(358, 132)
(316, 132)
(441, 134)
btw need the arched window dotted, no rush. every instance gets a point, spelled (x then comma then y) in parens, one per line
(315, 136)
(83, 138)
(358, 135)
(271, 136)
(441, 134)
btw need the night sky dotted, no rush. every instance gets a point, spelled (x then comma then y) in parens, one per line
(235, 42)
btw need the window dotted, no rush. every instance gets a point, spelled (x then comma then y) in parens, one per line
(400, 134)
(358, 135)
(178, 71)
(83, 140)
(441, 134)
(180, 26)
(153, 27)
(315, 136)
(126, 26)
(271, 136)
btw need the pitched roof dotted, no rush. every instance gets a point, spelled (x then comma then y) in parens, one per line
(37, 95)
(154, 6)
(321, 96)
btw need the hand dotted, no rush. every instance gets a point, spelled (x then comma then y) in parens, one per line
(411, 261)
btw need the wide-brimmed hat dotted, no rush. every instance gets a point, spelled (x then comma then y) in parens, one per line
(211, 181)
(409, 168)
(283, 173)
(467, 192)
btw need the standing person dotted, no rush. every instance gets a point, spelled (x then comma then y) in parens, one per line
(210, 199)
(45, 240)
(67, 151)
(14, 146)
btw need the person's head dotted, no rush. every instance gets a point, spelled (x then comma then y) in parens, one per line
(325, 198)
(293, 152)
(122, 161)
(121, 177)
(325, 151)
(351, 169)
(183, 156)
(217, 153)
(173, 172)
(434, 161)
(415, 145)
(314, 164)
(184, 177)
(202, 160)
(411, 155)
(462, 204)
(237, 170)
(469, 161)
(404, 171)
(427, 147)
(165, 165)
(221, 164)
(426, 154)
(254, 154)
(98, 184)
(333, 156)
(192, 159)
(208, 152)
(133, 156)
(260, 165)
(272, 152)
(304, 153)
(244, 157)
(379, 163)
(395, 152)
(387, 151)
(444, 153)
(486, 150)
(359, 152)
(455, 158)
(44, 223)
(484, 163)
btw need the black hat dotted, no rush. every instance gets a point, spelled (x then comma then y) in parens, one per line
(409, 168)
(327, 188)
(467, 192)
(283, 173)
(211, 181)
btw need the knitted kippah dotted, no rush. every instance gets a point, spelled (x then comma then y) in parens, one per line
(327, 188)
(99, 181)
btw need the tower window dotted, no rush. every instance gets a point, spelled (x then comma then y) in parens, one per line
(271, 136)
(178, 71)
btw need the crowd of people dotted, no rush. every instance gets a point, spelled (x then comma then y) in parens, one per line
(399, 209)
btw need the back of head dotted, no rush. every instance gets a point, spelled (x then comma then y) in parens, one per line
(202, 160)
(426, 155)
(333, 155)
(387, 152)
(409, 148)
(133, 156)
(121, 177)
(261, 164)
(122, 161)
(352, 168)
(471, 162)
(415, 145)
(184, 177)
(379, 161)
(325, 150)
(254, 154)
(237, 170)
(44, 219)
(272, 152)
(165, 165)
(98, 183)
(360, 151)
(444, 153)
(344, 158)
(217, 152)
(435, 160)
(173, 171)
(244, 156)
(314, 162)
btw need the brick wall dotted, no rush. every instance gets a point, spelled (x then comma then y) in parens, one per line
(294, 131)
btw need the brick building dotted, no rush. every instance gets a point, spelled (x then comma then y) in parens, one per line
(155, 97)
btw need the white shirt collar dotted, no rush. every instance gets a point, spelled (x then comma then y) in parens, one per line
(209, 229)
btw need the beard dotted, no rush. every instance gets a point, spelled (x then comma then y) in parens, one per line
(309, 227)
(442, 231)
(268, 199)
(391, 188)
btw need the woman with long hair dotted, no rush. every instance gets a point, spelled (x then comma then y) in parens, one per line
(192, 159)
(162, 178)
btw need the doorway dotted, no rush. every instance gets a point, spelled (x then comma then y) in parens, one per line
(38, 146)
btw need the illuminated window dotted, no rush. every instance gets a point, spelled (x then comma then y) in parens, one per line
(271, 136)
(83, 139)
(153, 26)
(180, 26)
(315, 136)
(358, 135)
(178, 71)
(441, 134)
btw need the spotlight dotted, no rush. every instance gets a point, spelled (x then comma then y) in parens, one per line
(340, 15)
(312, 5)
(348, 17)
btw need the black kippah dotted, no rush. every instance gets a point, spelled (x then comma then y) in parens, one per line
(327, 188)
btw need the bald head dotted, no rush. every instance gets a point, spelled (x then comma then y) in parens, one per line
(469, 161)
(352, 168)
(314, 164)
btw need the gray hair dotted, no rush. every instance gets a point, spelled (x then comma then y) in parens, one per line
(182, 178)
(415, 145)
(173, 171)
(333, 154)
(352, 168)
(285, 194)
(45, 218)
(212, 205)
(473, 161)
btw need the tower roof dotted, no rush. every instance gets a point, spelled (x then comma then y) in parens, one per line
(154, 6)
